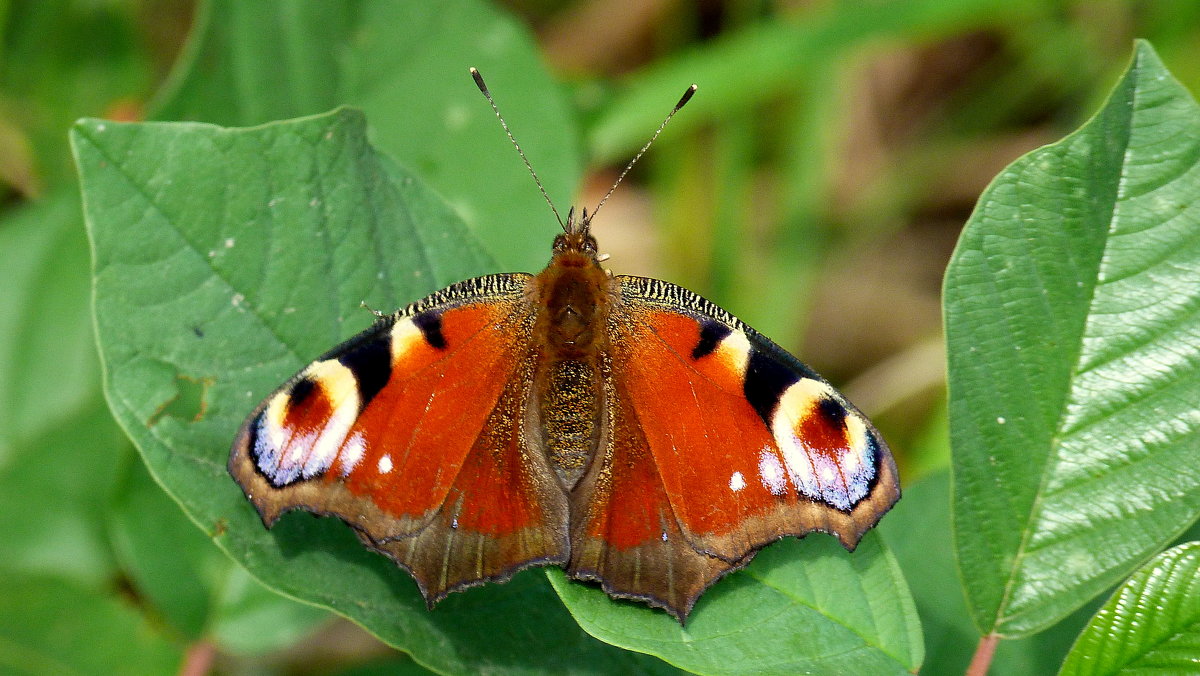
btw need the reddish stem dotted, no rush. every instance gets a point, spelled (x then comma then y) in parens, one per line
(199, 659)
(981, 661)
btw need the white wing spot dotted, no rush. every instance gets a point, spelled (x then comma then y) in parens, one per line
(737, 482)
(385, 464)
(353, 452)
(827, 473)
(770, 471)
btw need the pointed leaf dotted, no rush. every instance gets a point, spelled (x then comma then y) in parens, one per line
(224, 260)
(1150, 625)
(1074, 346)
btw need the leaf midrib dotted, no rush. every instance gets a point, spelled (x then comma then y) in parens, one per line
(1056, 439)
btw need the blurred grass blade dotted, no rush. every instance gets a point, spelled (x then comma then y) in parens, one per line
(1150, 625)
(1074, 368)
(759, 63)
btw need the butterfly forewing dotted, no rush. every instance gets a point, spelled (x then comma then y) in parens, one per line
(413, 433)
(726, 442)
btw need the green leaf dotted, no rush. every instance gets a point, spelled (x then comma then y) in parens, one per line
(801, 607)
(52, 415)
(197, 589)
(51, 626)
(53, 491)
(1151, 624)
(918, 532)
(251, 619)
(1072, 332)
(166, 577)
(404, 64)
(224, 260)
(48, 365)
(227, 74)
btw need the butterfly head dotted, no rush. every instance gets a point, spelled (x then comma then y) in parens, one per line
(576, 241)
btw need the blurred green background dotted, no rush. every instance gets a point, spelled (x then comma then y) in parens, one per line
(815, 187)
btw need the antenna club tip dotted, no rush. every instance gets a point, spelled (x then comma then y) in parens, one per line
(687, 96)
(479, 80)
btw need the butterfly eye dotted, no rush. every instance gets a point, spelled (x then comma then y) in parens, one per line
(589, 246)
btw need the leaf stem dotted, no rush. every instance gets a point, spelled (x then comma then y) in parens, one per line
(982, 659)
(199, 659)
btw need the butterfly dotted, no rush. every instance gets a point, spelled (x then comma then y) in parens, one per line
(621, 427)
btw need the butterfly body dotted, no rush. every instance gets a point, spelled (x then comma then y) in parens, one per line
(621, 427)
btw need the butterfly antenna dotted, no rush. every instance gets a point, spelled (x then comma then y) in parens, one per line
(483, 88)
(687, 96)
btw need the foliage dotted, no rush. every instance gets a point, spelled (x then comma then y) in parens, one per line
(783, 194)
(1074, 282)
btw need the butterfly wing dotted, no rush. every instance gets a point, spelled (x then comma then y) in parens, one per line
(413, 433)
(719, 442)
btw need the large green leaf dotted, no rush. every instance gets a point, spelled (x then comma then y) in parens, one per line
(53, 491)
(1150, 625)
(194, 586)
(224, 259)
(1074, 368)
(51, 626)
(918, 532)
(405, 64)
(60, 452)
(48, 365)
(801, 607)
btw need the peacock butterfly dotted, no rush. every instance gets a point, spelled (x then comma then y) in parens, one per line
(621, 427)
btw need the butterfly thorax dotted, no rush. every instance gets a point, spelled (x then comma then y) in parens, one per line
(570, 331)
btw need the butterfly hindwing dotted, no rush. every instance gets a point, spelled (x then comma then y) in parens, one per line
(625, 534)
(413, 433)
(729, 443)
